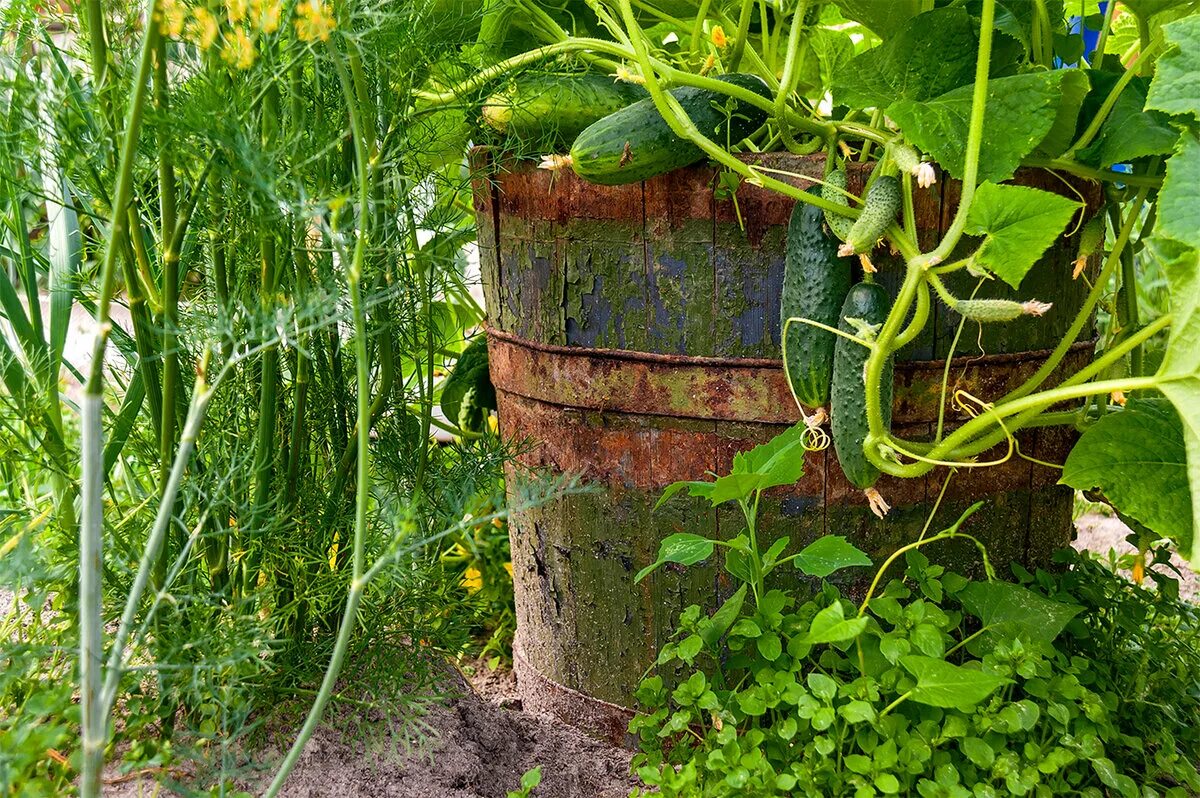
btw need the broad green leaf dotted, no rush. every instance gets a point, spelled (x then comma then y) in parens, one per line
(1129, 132)
(693, 489)
(1015, 17)
(1021, 111)
(683, 548)
(1179, 199)
(1148, 8)
(829, 554)
(822, 686)
(830, 625)
(943, 684)
(1016, 611)
(1176, 85)
(723, 618)
(732, 487)
(1018, 224)
(780, 461)
(1137, 458)
(834, 50)
(932, 54)
(1075, 87)
(883, 18)
(1179, 375)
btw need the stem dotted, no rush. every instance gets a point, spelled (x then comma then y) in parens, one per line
(1105, 175)
(974, 139)
(91, 550)
(1098, 54)
(362, 490)
(787, 83)
(949, 533)
(1106, 107)
(1089, 305)
(162, 521)
(739, 44)
(895, 704)
(91, 624)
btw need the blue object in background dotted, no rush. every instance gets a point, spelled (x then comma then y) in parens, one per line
(1090, 37)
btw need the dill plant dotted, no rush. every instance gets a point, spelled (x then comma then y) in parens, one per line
(268, 233)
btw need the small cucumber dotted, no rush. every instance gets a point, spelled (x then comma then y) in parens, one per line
(468, 392)
(636, 143)
(547, 112)
(869, 303)
(840, 225)
(815, 283)
(880, 207)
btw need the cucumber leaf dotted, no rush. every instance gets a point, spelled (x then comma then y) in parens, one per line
(1176, 85)
(1179, 199)
(1021, 111)
(1016, 611)
(1138, 459)
(943, 684)
(883, 19)
(1018, 224)
(1129, 132)
(1179, 376)
(828, 554)
(932, 54)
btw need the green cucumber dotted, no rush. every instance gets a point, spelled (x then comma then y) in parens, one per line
(815, 283)
(636, 143)
(547, 112)
(869, 303)
(840, 225)
(880, 207)
(468, 392)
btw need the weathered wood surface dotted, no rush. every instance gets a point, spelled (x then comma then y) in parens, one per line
(635, 341)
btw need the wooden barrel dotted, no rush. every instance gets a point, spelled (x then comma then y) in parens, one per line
(634, 341)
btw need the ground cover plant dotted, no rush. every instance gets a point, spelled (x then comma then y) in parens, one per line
(1072, 682)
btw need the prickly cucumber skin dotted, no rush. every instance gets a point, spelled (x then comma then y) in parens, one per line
(840, 225)
(848, 411)
(547, 112)
(990, 310)
(815, 283)
(636, 143)
(880, 207)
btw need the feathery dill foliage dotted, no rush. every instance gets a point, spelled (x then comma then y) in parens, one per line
(246, 239)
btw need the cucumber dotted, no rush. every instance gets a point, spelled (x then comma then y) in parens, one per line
(547, 112)
(468, 391)
(870, 303)
(840, 225)
(880, 207)
(815, 283)
(636, 143)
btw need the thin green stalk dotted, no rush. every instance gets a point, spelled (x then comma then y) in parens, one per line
(917, 265)
(788, 82)
(1092, 173)
(354, 277)
(201, 397)
(698, 25)
(91, 628)
(974, 139)
(91, 549)
(1129, 312)
(1102, 41)
(739, 43)
(1101, 115)
(1089, 305)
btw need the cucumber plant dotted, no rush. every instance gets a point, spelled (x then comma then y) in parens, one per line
(929, 91)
